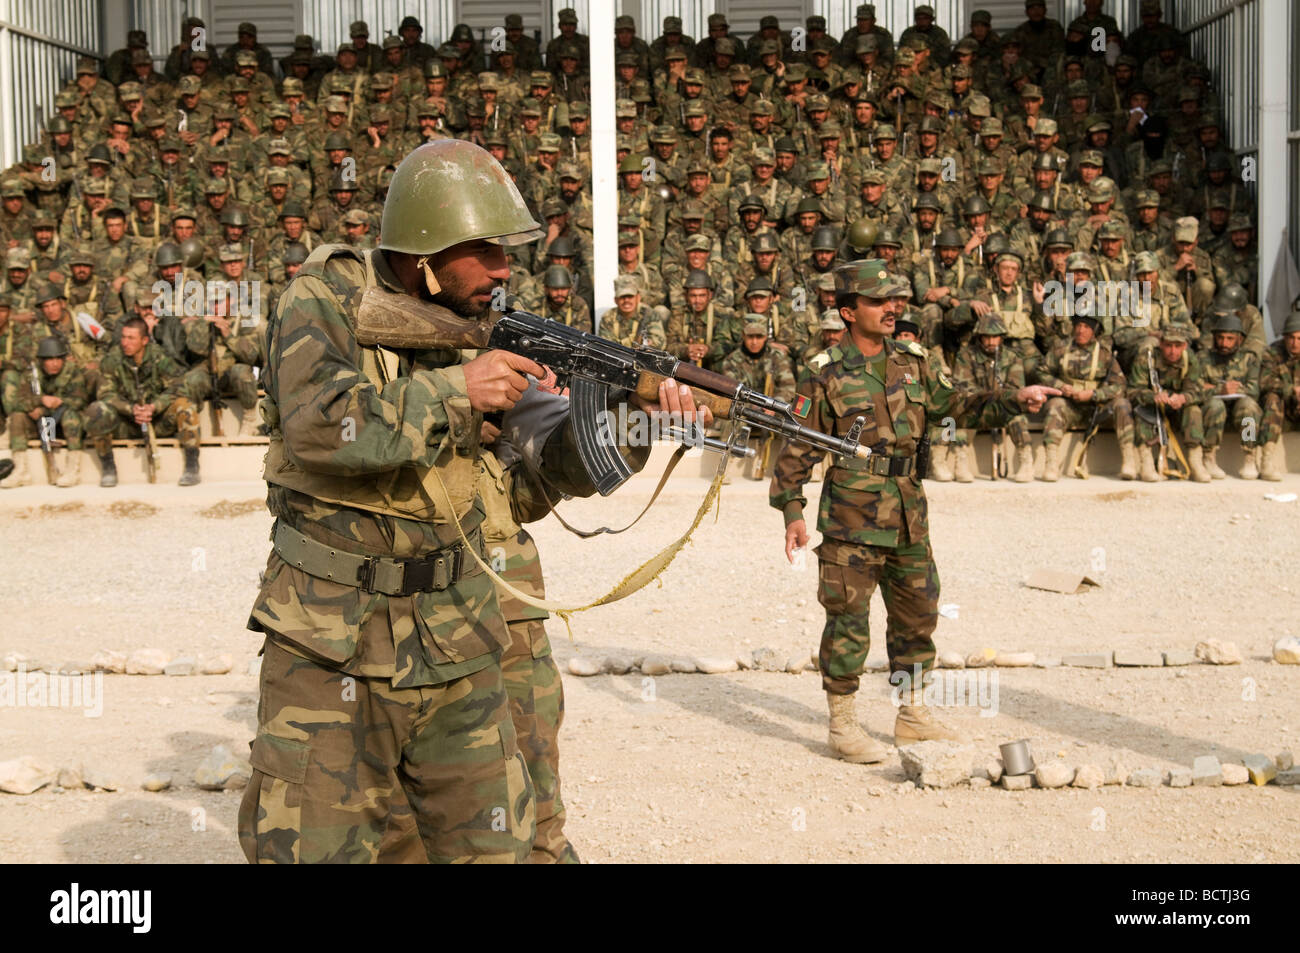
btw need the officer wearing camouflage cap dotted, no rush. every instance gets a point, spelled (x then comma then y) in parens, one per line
(370, 578)
(632, 322)
(873, 512)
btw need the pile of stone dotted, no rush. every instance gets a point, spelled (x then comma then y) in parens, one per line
(220, 770)
(139, 662)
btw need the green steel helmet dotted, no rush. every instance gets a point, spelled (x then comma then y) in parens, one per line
(698, 279)
(562, 247)
(995, 245)
(823, 239)
(1057, 238)
(887, 237)
(949, 238)
(234, 216)
(976, 205)
(48, 292)
(337, 140)
(630, 163)
(991, 326)
(192, 252)
(1231, 297)
(557, 276)
(862, 235)
(51, 347)
(168, 253)
(1043, 200)
(1226, 321)
(295, 253)
(928, 200)
(452, 191)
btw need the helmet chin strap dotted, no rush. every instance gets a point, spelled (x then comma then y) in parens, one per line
(430, 280)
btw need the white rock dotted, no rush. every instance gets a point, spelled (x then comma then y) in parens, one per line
(222, 770)
(1218, 652)
(745, 663)
(181, 666)
(1053, 774)
(26, 775)
(106, 660)
(72, 777)
(1017, 782)
(618, 664)
(10, 661)
(979, 783)
(655, 665)
(767, 660)
(1260, 767)
(157, 782)
(1014, 659)
(583, 667)
(796, 664)
(216, 664)
(686, 666)
(710, 665)
(1148, 778)
(951, 660)
(1180, 778)
(981, 659)
(1284, 760)
(1234, 774)
(1206, 771)
(1287, 650)
(1048, 661)
(1116, 771)
(1088, 776)
(147, 662)
(936, 764)
(100, 781)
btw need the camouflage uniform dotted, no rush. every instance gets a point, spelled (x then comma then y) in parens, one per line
(872, 514)
(1242, 366)
(1181, 378)
(427, 729)
(976, 369)
(1093, 368)
(19, 401)
(1279, 380)
(156, 380)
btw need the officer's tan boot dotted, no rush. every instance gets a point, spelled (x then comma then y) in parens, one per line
(1250, 466)
(847, 739)
(1148, 462)
(916, 723)
(1212, 467)
(1024, 464)
(70, 470)
(249, 422)
(961, 464)
(1271, 466)
(1051, 462)
(1128, 461)
(21, 475)
(940, 470)
(1196, 463)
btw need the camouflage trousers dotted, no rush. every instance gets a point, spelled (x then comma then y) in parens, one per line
(1030, 356)
(536, 695)
(104, 425)
(1063, 414)
(991, 418)
(1188, 422)
(848, 574)
(1276, 414)
(66, 422)
(231, 377)
(348, 769)
(1244, 413)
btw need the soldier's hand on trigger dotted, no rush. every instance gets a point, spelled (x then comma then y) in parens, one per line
(1035, 395)
(495, 380)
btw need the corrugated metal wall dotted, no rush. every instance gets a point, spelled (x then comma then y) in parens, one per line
(39, 46)
(1222, 35)
(276, 20)
(743, 15)
(161, 22)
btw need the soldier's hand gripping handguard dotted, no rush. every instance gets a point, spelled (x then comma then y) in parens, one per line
(593, 369)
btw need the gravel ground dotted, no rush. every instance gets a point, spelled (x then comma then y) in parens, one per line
(725, 767)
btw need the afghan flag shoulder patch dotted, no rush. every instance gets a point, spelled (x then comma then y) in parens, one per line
(802, 405)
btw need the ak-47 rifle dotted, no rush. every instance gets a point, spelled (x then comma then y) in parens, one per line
(150, 451)
(44, 425)
(1163, 433)
(216, 404)
(590, 367)
(1079, 459)
(998, 434)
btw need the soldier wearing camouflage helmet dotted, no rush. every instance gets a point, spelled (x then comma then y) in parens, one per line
(1230, 374)
(373, 468)
(985, 364)
(51, 393)
(873, 512)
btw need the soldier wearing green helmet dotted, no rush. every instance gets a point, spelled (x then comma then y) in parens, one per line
(873, 512)
(1230, 376)
(50, 395)
(374, 470)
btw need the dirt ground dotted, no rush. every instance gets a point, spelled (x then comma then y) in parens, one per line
(734, 767)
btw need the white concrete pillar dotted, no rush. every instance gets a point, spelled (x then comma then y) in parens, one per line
(1276, 192)
(604, 171)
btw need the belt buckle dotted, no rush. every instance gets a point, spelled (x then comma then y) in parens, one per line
(418, 575)
(366, 574)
